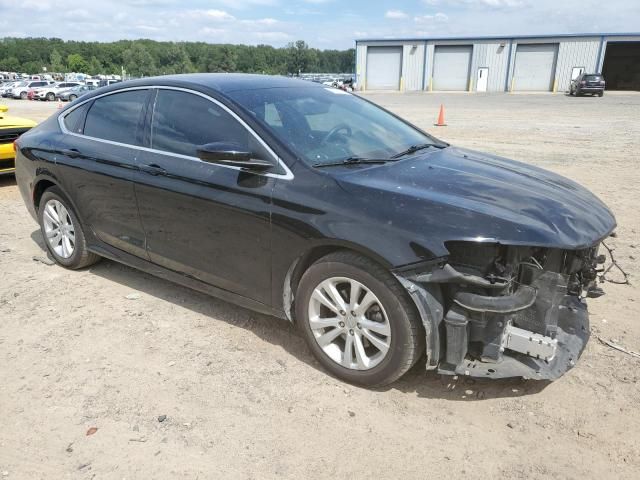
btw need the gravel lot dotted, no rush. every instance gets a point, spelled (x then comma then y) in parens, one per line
(114, 348)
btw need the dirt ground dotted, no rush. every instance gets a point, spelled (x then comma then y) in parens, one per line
(114, 348)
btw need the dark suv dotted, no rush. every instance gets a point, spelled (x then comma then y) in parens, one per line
(592, 83)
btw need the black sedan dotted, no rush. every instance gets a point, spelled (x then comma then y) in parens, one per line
(379, 241)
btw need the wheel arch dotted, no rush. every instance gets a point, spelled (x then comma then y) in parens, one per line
(315, 252)
(41, 186)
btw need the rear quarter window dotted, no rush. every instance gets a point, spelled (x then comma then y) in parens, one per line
(74, 121)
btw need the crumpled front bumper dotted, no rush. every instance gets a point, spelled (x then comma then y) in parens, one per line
(572, 334)
(539, 334)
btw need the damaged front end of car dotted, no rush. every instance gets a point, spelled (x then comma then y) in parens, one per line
(495, 311)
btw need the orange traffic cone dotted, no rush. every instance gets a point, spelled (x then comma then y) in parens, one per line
(59, 104)
(441, 117)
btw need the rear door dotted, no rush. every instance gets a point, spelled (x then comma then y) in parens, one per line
(207, 221)
(97, 162)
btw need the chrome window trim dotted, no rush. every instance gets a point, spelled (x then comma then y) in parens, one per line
(286, 176)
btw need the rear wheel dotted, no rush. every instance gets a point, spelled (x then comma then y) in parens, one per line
(51, 97)
(23, 95)
(62, 231)
(72, 97)
(358, 320)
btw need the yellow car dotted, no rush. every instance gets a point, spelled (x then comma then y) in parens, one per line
(10, 129)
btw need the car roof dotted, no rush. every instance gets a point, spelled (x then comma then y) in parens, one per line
(221, 82)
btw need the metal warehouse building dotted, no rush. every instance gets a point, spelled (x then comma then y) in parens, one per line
(545, 63)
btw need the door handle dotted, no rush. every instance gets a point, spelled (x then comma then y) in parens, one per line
(153, 169)
(71, 153)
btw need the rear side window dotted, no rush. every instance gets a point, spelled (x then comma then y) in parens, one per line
(182, 121)
(116, 117)
(74, 121)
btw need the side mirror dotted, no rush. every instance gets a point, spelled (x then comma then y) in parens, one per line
(232, 154)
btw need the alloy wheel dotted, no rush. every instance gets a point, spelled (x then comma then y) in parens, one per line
(59, 229)
(349, 323)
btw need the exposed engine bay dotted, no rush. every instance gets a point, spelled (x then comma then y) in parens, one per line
(498, 311)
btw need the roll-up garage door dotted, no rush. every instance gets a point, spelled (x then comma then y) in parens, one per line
(384, 65)
(451, 67)
(535, 67)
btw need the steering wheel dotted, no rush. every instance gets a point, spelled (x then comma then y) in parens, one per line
(335, 130)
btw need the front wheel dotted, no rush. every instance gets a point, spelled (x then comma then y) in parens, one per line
(72, 98)
(51, 97)
(62, 231)
(23, 95)
(358, 320)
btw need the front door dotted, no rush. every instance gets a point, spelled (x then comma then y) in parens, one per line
(204, 220)
(483, 78)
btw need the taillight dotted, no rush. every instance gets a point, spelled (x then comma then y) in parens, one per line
(601, 82)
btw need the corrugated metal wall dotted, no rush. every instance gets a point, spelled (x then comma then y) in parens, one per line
(412, 65)
(497, 55)
(575, 52)
(493, 55)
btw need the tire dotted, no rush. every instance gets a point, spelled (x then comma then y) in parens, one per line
(600, 94)
(577, 93)
(394, 313)
(72, 98)
(51, 97)
(79, 257)
(23, 95)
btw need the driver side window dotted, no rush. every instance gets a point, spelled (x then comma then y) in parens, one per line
(183, 121)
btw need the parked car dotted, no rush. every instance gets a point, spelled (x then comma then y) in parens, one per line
(378, 240)
(49, 92)
(10, 129)
(106, 83)
(70, 94)
(592, 83)
(21, 90)
(6, 88)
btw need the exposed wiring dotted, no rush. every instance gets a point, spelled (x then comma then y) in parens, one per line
(614, 264)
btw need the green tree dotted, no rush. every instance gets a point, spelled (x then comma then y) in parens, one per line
(95, 66)
(77, 63)
(228, 59)
(55, 61)
(138, 61)
(148, 57)
(174, 59)
(299, 57)
(10, 64)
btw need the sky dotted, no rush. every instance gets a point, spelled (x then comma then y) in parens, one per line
(321, 23)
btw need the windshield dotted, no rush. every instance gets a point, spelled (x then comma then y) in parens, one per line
(592, 78)
(325, 125)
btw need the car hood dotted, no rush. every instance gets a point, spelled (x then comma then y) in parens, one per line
(459, 194)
